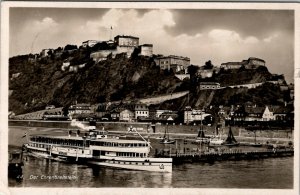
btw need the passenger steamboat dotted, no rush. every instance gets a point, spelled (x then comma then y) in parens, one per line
(96, 148)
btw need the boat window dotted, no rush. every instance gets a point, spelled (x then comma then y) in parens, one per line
(136, 163)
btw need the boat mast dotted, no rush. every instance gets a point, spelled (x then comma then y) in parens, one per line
(131, 129)
(167, 131)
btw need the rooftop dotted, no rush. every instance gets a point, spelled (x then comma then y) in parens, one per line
(125, 36)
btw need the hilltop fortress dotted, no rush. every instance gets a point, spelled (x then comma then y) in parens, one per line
(128, 44)
(121, 44)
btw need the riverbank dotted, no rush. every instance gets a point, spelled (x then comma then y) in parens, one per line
(16, 135)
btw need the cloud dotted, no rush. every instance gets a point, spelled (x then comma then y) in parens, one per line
(227, 36)
(47, 22)
(221, 36)
(271, 38)
(251, 40)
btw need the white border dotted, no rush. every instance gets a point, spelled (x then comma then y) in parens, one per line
(147, 5)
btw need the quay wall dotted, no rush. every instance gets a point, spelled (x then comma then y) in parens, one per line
(191, 130)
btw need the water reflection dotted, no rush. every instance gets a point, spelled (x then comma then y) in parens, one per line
(268, 173)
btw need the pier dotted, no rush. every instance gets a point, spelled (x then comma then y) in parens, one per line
(190, 157)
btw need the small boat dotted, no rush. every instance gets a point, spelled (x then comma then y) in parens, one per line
(15, 164)
(230, 141)
(255, 144)
(159, 138)
(122, 136)
(217, 140)
(201, 137)
(166, 139)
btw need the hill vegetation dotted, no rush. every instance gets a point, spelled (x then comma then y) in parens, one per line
(41, 81)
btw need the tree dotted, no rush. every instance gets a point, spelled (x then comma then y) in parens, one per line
(50, 52)
(65, 110)
(208, 65)
(70, 47)
(192, 70)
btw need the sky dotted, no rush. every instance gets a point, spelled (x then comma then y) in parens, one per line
(202, 35)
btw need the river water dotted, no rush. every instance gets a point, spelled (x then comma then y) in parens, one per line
(272, 173)
(276, 173)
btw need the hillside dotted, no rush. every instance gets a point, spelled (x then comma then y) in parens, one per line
(35, 83)
(43, 82)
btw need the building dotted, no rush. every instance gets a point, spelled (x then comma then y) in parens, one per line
(224, 111)
(101, 111)
(282, 113)
(160, 112)
(126, 44)
(115, 114)
(54, 116)
(292, 91)
(254, 113)
(182, 76)
(89, 43)
(192, 115)
(45, 52)
(126, 41)
(103, 54)
(146, 50)
(205, 73)
(239, 114)
(49, 107)
(251, 63)
(209, 85)
(168, 117)
(231, 65)
(177, 63)
(121, 44)
(141, 111)
(80, 109)
(65, 65)
(126, 115)
(268, 113)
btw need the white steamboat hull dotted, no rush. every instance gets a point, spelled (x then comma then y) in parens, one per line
(142, 164)
(37, 152)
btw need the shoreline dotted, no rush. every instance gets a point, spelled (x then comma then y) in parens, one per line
(16, 133)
